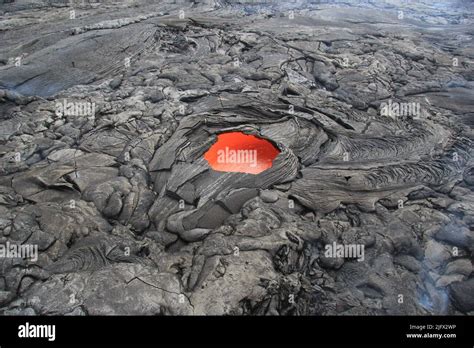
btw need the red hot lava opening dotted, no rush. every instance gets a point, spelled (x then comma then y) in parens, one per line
(241, 153)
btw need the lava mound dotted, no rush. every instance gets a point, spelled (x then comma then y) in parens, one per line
(193, 195)
(322, 163)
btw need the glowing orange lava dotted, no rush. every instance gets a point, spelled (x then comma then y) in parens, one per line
(241, 153)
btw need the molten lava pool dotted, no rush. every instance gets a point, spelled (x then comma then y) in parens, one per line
(242, 153)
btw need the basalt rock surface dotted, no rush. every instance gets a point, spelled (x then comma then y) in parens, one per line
(106, 113)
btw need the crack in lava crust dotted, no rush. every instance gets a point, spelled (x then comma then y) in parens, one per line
(241, 153)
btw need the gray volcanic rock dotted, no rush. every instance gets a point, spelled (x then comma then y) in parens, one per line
(462, 294)
(107, 110)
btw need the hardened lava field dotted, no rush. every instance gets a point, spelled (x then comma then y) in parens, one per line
(349, 189)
